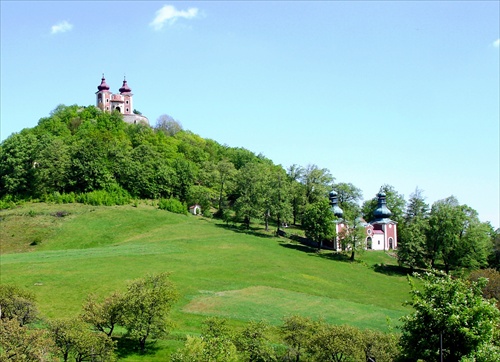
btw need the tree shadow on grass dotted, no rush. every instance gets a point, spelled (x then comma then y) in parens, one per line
(254, 231)
(299, 247)
(338, 256)
(392, 270)
(127, 347)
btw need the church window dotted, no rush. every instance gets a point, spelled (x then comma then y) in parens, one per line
(127, 109)
(126, 102)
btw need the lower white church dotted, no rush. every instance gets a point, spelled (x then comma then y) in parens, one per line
(381, 232)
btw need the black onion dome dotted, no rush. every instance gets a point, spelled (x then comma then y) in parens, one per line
(381, 212)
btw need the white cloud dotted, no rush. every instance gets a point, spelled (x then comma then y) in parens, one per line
(496, 43)
(61, 27)
(169, 14)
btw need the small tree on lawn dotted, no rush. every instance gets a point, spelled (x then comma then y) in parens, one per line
(18, 304)
(75, 339)
(297, 332)
(336, 343)
(353, 236)
(18, 343)
(318, 222)
(253, 343)
(106, 315)
(453, 309)
(147, 304)
(214, 344)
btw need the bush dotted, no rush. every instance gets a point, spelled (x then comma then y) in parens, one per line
(7, 203)
(114, 195)
(172, 205)
(59, 198)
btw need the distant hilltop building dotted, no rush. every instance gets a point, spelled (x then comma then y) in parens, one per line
(122, 102)
(381, 232)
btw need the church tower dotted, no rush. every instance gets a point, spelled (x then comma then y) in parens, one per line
(103, 96)
(126, 93)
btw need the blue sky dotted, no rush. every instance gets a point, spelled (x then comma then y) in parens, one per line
(403, 93)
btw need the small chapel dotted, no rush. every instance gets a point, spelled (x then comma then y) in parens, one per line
(121, 102)
(381, 232)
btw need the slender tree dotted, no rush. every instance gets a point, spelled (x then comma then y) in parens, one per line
(318, 222)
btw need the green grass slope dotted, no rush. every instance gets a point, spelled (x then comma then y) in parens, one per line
(218, 270)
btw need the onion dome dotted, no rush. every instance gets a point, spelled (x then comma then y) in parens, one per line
(334, 202)
(381, 212)
(125, 88)
(103, 86)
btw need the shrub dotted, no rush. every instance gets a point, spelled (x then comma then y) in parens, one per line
(7, 203)
(172, 205)
(114, 195)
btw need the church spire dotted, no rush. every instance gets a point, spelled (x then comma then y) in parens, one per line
(103, 86)
(125, 88)
(334, 202)
(381, 212)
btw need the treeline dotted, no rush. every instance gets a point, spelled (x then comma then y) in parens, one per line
(451, 322)
(81, 154)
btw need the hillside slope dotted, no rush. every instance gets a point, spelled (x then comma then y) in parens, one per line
(218, 270)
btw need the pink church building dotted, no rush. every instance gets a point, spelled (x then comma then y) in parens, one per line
(381, 232)
(121, 102)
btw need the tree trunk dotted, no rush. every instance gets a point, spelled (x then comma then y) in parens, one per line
(220, 194)
(352, 255)
(142, 344)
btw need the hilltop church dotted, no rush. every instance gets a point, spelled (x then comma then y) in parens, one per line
(121, 102)
(381, 232)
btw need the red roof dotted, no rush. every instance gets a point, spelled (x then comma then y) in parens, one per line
(103, 85)
(125, 88)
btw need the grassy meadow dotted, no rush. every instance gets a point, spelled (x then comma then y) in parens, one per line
(64, 252)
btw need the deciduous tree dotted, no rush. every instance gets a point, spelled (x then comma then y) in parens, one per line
(336, 343)
(453, 309)
(413, 231)
(17, 304)
(147, 304)
(168, 125)
(297, 192)
(214, 345)
(317, 182)
(297, 332)
(457, 236)
(349, 197)
(105, 315)
(353, 235)
(74, 338)
(318, 222)
(251, 190)
(253, 343)
(18, 343)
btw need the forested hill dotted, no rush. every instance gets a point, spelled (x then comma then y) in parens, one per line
(82, 149)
